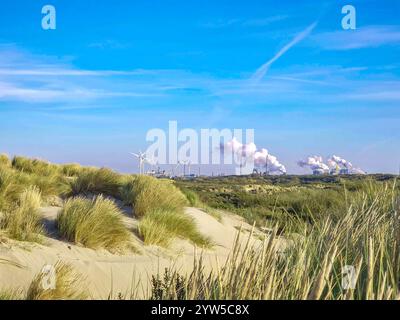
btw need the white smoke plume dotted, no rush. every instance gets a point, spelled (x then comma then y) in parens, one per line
(248, 154)
(268, 162)
(315, 163)
(336, 162)
(238, 148)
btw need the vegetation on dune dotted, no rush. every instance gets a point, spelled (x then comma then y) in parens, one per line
(13, 182)
(10, 294)
(69, 285)
(93, 223)
(5, 160)
(367, 239)
(24, 221)
(97, 181)
(36, 166)
(329, 222)
(271, 200)
(160, 227)
(147, 194)
(71, 169)
(194, 201)
(8, 189)
(159, 206)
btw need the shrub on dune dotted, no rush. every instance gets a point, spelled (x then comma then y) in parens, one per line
(147, 194)
(24, 222)
(160, 227)
(68, 285)
(97, 181)
(93, 223)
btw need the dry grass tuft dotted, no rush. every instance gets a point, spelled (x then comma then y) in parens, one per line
(68, 285)
(24, 222)
(97, 181)
(148, 194)
(93, 223)
(160, 227)
(5, 160)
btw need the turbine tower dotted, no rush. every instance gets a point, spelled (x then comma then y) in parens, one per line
(175, 169)
(188, 164)
(142, 159)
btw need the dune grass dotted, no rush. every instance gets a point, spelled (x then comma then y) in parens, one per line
(69, 285)
(71, 169)
(10, 294)
(36, 166)
(147, 194)
(93, 223)
(367, 238)
(13, 181)
(194, 201)
(272, 200)
(5, 160)
(24, 221)
(160, 227)
(8, 191)
(96, 181)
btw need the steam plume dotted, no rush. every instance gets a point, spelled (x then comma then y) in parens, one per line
(264, 160)
(248, 153)
(334, 165)
(315, 163)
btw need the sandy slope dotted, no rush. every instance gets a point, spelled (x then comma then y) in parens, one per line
(109, 273)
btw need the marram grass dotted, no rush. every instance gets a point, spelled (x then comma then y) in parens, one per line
(24, 221)
(147, 194)
(69, 285)
(367, 238)
(161, 227)
(96, 181)
(93, 223)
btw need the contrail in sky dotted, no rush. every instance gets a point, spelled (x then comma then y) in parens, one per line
(260, 73)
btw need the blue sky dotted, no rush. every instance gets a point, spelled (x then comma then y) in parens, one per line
(90, 90)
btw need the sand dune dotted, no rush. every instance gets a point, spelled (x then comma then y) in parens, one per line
(114, 274)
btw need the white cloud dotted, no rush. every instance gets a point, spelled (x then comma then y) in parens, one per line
(253, 22)
(33, 79)
(260, 73)
(363, 37)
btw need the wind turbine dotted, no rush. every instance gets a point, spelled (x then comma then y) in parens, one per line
(142, 158)
(176, 167)
(186, 163)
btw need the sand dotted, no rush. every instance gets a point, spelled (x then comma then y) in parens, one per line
(126, 274)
